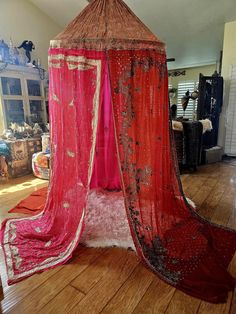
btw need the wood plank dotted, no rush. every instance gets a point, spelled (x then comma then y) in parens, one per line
(93, 274)
(129, 295)
(209, 170)
(195, 183)
(63, 302)
(209, 308)
(16, 190)
(183, 303)
(223, 210)
(204, 191)
(106, 288)
(184, 179)
(156, 298)
(209, 205)
(15, 293)
(233, 303)
(56, 283)
(232, 218)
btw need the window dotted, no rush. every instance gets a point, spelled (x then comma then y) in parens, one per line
(14, 111)
(36, 110)
(21, 97)
(230, 139)
(190, 112)
(11, 86)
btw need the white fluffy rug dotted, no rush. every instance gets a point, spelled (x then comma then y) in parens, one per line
(106, 222)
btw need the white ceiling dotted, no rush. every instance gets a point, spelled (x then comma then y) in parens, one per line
(192, 29)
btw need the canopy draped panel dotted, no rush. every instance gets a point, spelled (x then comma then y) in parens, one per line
(177, 244)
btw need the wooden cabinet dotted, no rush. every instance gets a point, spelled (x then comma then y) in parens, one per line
(20, 159)
(22, 97)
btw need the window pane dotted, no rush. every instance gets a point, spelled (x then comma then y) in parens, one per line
(183, 87)
(36, 111)
(33, 88)
(14, 111)
(11, 86)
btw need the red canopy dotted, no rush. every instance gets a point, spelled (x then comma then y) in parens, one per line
(109, 85)
(107, 24)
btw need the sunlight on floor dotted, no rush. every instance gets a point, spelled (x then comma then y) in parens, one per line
(13, 186)
(15, 190)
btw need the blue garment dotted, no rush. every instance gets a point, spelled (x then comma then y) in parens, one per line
(4, 149)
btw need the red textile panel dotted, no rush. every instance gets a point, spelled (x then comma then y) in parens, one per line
(182, 248)
(41, 242)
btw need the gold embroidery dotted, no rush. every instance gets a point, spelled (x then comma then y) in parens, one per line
(70, 153)
(48, 244)
(13, 235)
(95, 118)
(84, 67)
(8, 248)
(56, 57)
(71, 104)
(54, 65)
(73, 62)
(18, 262)
(72, 66)
(79, 66)
(18, 259)
(54, 97)
(66, 205)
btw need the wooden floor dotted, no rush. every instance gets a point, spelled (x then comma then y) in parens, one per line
(112, 280)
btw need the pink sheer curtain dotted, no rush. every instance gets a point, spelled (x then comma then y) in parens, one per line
(106, 172)
(41, 242)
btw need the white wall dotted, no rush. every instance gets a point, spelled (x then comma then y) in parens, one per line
(21, 20)
(229, 58)
(191, 74)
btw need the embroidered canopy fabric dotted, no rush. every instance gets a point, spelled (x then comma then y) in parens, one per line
(109, 128)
